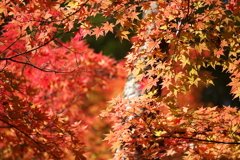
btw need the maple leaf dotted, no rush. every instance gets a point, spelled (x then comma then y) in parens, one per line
(218, 53)
(143, 84)
(98, 32)
(151, 45)
(134, 15)
(200, 26)
(235, 87)
(171, 152)
(108, 27)
(122, 34)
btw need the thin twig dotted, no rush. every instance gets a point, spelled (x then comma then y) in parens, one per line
(199, 140)
(187, 18)
(6, 62)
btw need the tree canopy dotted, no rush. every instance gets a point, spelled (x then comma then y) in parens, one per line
(52, 83)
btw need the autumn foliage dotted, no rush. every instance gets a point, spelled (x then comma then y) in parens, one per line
(175, 45)
(53, 86)
(46, 83)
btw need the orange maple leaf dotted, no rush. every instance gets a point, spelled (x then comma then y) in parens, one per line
(108, 27)
(98, 32)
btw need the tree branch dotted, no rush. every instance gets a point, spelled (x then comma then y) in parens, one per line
(44, 44)
(187, 18)
(41, 69)
(29, 137)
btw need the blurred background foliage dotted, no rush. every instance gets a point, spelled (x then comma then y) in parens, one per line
(219, 93)
(109, 45)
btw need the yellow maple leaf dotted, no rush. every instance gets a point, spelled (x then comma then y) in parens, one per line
(122, 34)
